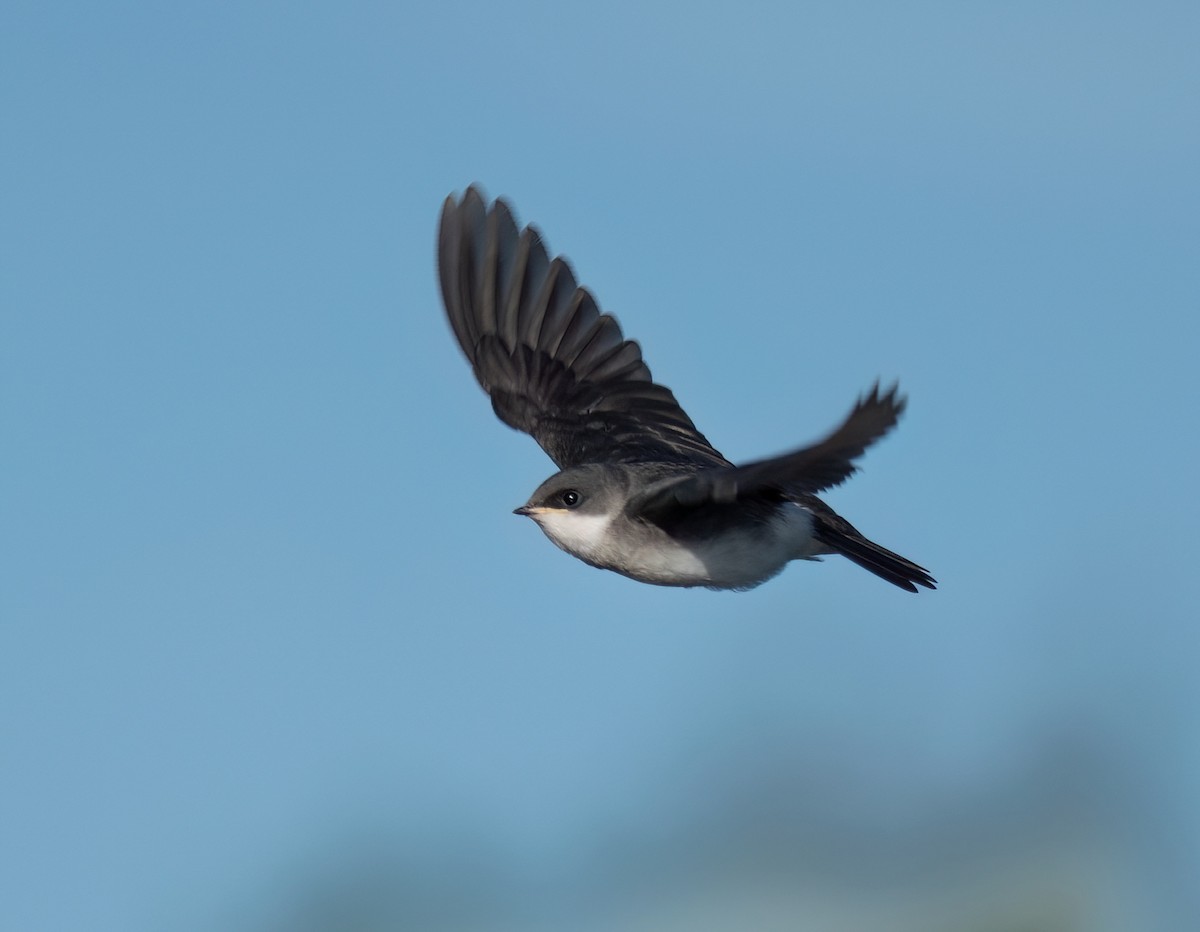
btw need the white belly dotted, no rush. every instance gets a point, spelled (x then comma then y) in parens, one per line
(736, 560)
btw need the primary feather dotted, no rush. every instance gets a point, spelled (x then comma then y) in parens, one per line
(554, 366)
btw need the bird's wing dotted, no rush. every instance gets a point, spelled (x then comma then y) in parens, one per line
(826, 463)
(554, 366)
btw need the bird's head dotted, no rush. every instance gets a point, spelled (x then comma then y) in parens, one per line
(575, 507)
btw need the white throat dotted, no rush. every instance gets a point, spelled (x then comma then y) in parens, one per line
(583, 535)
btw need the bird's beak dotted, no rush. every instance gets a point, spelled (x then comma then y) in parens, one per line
(524, 510)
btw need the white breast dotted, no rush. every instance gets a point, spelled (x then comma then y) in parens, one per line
(738, 559)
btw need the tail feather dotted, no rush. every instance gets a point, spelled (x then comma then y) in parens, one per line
(840, 537)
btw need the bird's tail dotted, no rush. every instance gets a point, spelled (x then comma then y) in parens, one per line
(841, 537)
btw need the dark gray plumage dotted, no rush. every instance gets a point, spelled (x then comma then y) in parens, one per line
(656, 501)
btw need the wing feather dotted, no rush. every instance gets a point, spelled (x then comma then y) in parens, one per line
(553, 364)
(822, 465)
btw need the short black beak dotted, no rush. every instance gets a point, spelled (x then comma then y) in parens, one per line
(523, 510)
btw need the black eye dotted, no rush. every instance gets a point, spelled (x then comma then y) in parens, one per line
(571, 498)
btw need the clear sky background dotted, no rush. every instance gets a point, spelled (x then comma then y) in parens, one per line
(268, 626)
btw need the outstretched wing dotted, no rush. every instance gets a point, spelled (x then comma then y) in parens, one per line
(826, 463)
(554, 366)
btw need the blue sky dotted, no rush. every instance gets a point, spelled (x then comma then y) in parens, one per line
(263, 595)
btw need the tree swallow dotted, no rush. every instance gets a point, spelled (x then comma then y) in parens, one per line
(641, 491)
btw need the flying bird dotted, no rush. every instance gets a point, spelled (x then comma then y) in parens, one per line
(640, 490)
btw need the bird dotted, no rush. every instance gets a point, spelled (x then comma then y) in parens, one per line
(639, 491)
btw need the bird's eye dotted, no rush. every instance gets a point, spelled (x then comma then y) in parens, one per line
(571, 498)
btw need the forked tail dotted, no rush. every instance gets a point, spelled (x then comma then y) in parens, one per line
(841, 537)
